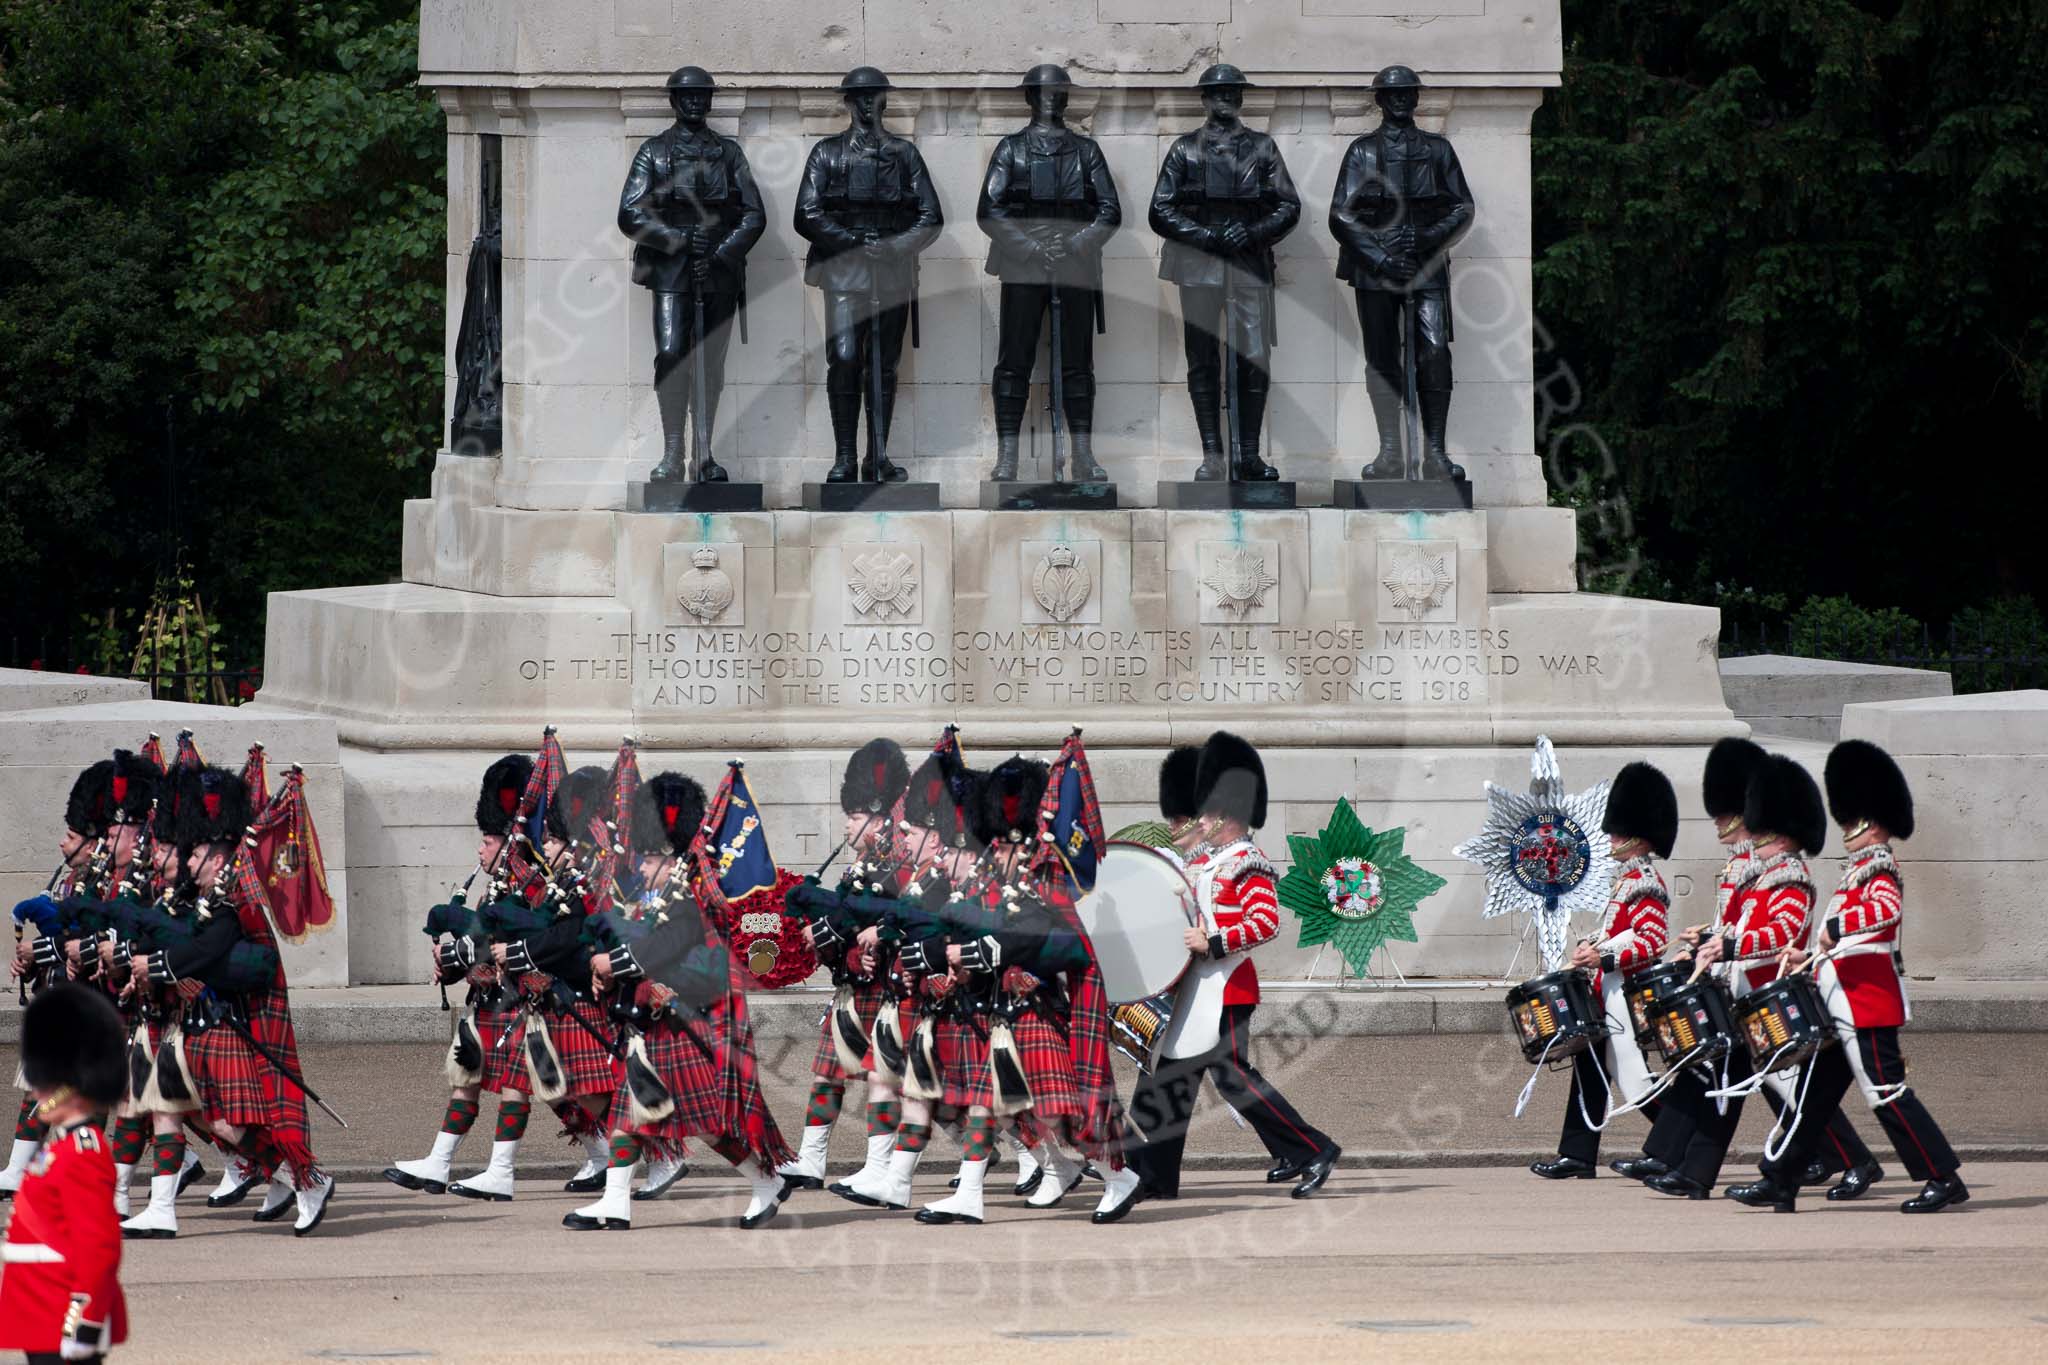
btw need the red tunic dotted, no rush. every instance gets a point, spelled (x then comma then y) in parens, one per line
(1867, 909)
(1769, 913)
(1247, 911)
(63, 1246)
(1637, 909)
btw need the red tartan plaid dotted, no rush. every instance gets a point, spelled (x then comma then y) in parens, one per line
(501, 1034)
(586, 1065)
(1099, 1129)
(906, 1022)
(963, 1052)
(867, 999)
(228, 1077)
(746, 1109)
(687, 1069)
(1048, 1067)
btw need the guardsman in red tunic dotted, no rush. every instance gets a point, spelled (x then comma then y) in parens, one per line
(1642, 821)
(874, 782)
(1210, 1031)
(60, 1285)
(1857, 940)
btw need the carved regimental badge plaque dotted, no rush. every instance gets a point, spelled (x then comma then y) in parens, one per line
(706, 585)
(705, 590)
(1060, 581)
(1239, 581)
(1418, 580)
(881, 583)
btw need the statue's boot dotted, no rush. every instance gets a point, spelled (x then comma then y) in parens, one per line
(1436, 415)
(1081, 466)
(878, 467)
(1386, 415)
(1251, 414)
(708, 468)
(672, 396)
(845, 410)
(1010, 399)
(1208, 426)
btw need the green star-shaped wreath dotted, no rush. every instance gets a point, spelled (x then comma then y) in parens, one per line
(1354, 888)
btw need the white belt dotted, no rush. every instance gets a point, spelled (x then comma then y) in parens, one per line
(30, 1253)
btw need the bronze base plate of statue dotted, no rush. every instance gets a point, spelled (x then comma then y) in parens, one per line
(1036, 495)
(1403, 495)
(1223, 495)
(690, 495)
(903, 496)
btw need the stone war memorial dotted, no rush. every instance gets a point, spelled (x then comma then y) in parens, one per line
(1396, 645)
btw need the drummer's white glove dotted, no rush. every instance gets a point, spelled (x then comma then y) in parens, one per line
(983, 954)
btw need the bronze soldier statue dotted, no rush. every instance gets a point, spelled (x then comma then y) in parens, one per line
(1222, 200)
(1401, 202)
(1048, 205)
(867, 207)
(693, 213)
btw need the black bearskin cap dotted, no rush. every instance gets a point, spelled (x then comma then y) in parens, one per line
(875, 776)
(89, 810)
(581, 793)
(213, 806)
(1642, 805)
(497, 802)
(668, 810)
(1730, 765)
(941, 796)
(1231, 781)
(1178, 775)
(1864, 783)
(1006, 808)
(72, 1037)
(1783, 800)
(136, 782)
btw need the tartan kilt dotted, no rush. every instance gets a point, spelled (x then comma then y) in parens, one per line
(867, 999)
(690, 1076)
(502, 1032)
(906, 1024)
(587, 1066)
(963, 1052)
(1048, 1067)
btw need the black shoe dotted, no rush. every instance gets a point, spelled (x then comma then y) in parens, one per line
(1565, 1168)
(241, 1191)
(1027, 1186)
(1252, 469)
(1285, 1169)
(669, 470)
(391, 1173)
(589, 1184)
(1765, 1193)
(792, 1183)
(1317, 1173)
(1938, 1194)
(1682, 1186)
(147, 1234)
(933, 1218)
(1137, 1196)
(650, 1192)
(711, 472)
(576, 1222)
(752, 1221)
(487, 1196)
(844, 470)
(1211, 468)
(1856, 1182)
(887, 471)
(1639, 1168)
(1816, 1173)
(196, 1171)
(1386, 465)
(853, 1196)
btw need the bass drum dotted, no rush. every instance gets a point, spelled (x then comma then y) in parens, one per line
(1137, 916)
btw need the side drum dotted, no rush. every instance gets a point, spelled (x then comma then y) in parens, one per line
(1693, 1023)
(1643, 991)
(1556, 1016)
(1784, 1022)
(1137, 1029)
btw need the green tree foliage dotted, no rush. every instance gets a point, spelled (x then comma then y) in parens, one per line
(220, 230)
(1791, 251)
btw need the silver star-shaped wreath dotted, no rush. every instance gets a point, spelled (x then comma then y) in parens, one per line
(1544, 853)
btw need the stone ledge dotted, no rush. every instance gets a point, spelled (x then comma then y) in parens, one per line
(412, 1014)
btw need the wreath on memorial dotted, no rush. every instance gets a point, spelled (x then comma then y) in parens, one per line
(1354, 889)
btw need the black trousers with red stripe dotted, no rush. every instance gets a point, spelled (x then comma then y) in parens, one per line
(1841, 1147)
(1914, 1134)
(1165, 1101)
